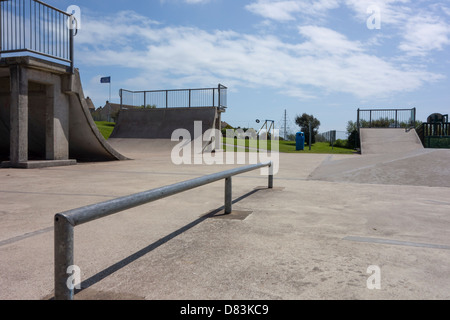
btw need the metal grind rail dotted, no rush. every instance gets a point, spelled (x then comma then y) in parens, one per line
(66, 222)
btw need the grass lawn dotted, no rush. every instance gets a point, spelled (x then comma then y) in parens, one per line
(106, 128)
(289, 147)
(318, 147)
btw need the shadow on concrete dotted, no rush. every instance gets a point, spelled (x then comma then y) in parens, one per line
(121, 264)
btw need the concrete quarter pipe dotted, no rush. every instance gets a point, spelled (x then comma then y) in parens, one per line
(44, 117)
(86, 141)
(150, 130)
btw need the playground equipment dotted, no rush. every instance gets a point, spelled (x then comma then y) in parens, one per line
(435, 133)
(269, 127)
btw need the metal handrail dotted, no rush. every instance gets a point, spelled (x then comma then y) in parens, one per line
(65, 222)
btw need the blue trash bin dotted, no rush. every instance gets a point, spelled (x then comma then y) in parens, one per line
(300, 141)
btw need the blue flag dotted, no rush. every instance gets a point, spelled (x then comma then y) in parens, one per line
(105, 80)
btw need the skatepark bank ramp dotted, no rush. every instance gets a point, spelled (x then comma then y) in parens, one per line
(148, 119)
(388, 140)
(151, 130)
(161, 123)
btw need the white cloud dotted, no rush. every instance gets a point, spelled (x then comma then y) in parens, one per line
(323, 61)
(423, 35)
(287, 10)
(393, 12)
(280, 10)
(196, 1)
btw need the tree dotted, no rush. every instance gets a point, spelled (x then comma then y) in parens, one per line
(353, 136)
(149, 106)
(304, 122)
(351, 127)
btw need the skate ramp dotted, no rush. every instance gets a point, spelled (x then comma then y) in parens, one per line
(391, 157)
(150, 130)
(133, 147)
(420, 167)
(86, 143)
(388, 141)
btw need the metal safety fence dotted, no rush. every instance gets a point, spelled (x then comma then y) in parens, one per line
(386, 118)
(332, 136)
(179, 98)
(35, 28)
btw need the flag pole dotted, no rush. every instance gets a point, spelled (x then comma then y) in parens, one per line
(108, 80)
(109, 112)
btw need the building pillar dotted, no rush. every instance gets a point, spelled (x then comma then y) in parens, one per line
(57, 123)
(19, 115)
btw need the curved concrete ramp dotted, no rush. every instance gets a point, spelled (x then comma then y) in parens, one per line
(150, 130)
(388, 141)
(86, 143)
(132, 147)
(161, 123)
(54, 125)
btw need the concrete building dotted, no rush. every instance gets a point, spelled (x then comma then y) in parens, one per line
(44, 117)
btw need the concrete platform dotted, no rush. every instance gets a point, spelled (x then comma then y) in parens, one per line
(39, 164)
(306, 239)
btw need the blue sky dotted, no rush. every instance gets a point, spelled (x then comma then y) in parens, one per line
(315, 57)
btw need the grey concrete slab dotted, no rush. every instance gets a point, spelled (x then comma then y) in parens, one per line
(421, 167)
(389, 141)
(161, 123)
(292, 245)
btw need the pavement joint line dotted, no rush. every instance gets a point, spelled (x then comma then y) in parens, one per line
(438, 202)
(49, 229)
(60, 194)
(25, 236)
(396, 242)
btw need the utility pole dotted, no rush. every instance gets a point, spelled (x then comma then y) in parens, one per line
(285, 124)
(310, 136)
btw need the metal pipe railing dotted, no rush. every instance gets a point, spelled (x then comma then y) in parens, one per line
(34, 27)
(65, 222)
(177, 98)
(386, 118)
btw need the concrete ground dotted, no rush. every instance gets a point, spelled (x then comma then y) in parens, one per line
(315, 236)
